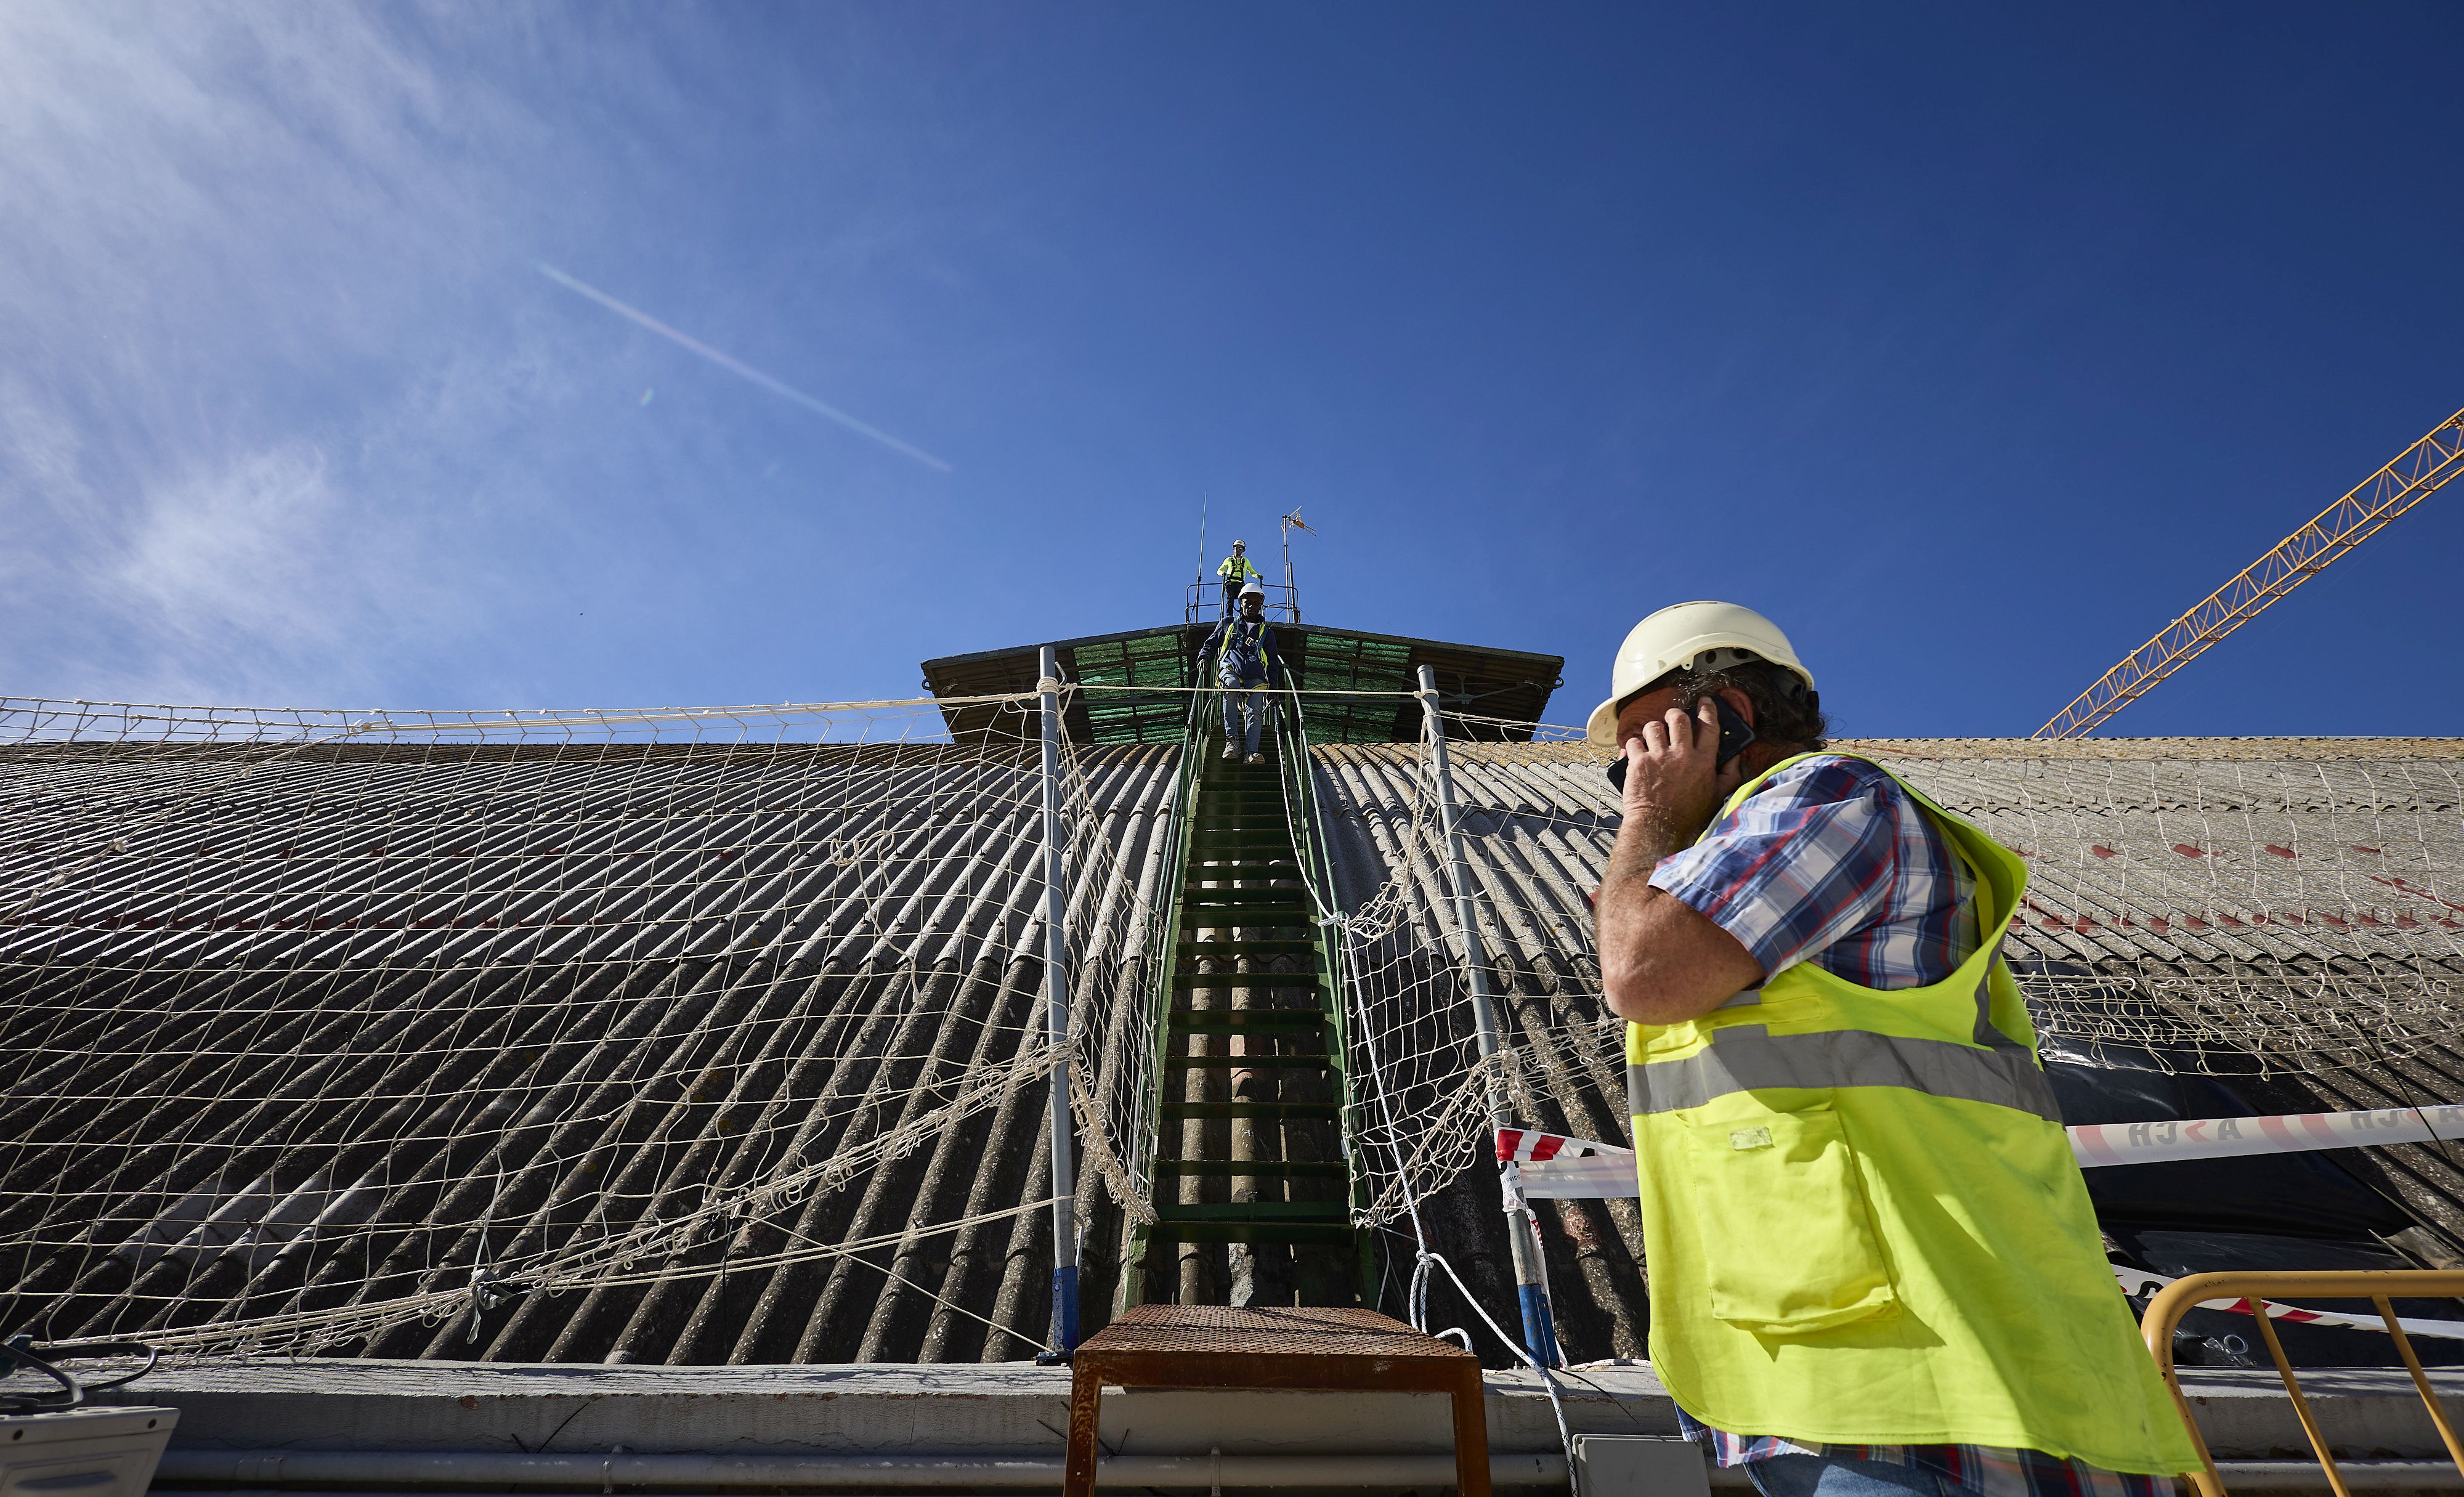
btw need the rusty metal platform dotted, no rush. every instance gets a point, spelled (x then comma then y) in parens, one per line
(1211, 1346)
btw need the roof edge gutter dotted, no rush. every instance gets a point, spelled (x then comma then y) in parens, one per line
(300, 1471)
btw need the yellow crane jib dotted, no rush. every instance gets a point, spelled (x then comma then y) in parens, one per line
(2417, 473)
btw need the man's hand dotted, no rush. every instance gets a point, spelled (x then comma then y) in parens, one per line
(1672, 772)
(1660, 961)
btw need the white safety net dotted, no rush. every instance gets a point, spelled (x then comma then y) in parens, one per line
(711, 1035)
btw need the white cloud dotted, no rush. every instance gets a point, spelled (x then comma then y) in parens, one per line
(254, 342)
(243, 553)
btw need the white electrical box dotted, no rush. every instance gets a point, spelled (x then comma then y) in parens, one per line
(86, 1452)
(1639, 1466)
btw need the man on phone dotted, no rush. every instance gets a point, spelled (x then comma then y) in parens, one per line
(1873, 1271)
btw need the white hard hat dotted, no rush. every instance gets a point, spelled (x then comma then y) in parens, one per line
(1254, 590)
(1706, 636)
(1239, 545)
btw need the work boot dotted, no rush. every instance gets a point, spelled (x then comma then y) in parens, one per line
(1257, 759)
(1231, 751)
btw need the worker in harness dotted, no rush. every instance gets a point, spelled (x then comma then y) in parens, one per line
(1873, 1271)
(1243, 647)
(1239, 572)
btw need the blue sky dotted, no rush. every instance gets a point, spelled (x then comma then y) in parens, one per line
(1972, 343)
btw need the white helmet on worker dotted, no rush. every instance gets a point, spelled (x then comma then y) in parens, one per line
(1699, 636)
(1239, 545)
(1256, 589)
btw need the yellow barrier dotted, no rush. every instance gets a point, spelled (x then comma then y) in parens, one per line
(2176, 1299)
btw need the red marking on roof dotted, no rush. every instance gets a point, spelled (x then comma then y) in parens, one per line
(2366, 918)
(2195, 923)
(2336, 920)
(2281, 852)
(2101, 851)
(2372, 852)
(2186, 850)
(2414, 890)
(2406, 922)
(2159, 924)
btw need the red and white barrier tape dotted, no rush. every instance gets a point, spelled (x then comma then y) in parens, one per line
(2293, 1132)
(1555, 1167)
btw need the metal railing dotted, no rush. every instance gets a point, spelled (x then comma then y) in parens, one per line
(1163, 947)
(2177, 1299)
(1204, 604)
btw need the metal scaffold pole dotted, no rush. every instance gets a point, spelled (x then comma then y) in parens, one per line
(1056, 1016)
(1531, 1282)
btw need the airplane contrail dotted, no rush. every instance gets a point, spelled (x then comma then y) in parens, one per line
(773, 386)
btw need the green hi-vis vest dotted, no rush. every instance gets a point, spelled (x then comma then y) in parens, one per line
(1237, 568)
(1863, 1223)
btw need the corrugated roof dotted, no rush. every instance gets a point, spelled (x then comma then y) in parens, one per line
(279, 999)
(2310, 933)
(271, 1004)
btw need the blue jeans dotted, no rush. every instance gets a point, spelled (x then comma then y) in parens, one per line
(1247, 700)
(1838, 1476)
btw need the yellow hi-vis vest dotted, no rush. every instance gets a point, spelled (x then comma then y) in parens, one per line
(1863, 1223)
(1237, 568)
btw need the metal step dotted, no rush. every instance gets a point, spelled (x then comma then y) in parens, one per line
(1273, 1112)
(1256, 895)
(1194, 950)
(1287, 1169)
(1235, 1021)
(1320, 1062)
(1254, 1211)
(1286, 1234)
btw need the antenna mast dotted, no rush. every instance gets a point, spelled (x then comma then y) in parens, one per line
(1291, 594)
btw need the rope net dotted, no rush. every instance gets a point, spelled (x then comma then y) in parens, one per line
(391, 1033)
(2288, 911)
(719, 1035)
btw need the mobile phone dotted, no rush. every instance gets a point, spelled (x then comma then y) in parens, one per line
(1736, 733)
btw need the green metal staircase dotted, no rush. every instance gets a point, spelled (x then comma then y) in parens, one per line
(1252, 1086)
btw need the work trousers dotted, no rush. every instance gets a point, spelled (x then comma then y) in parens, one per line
(1247, 700)
(1231, 596)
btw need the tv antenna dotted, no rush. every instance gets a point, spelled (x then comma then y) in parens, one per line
(1291, 522)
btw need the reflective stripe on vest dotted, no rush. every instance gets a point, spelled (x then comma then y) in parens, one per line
(1751, 1058)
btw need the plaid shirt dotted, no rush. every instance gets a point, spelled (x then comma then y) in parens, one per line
(1831, 862)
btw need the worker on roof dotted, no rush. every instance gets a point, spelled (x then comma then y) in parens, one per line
(1238, 572)
(1873, 1269)
(1243, 647)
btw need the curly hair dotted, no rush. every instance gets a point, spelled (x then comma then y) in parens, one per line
(1786, 710)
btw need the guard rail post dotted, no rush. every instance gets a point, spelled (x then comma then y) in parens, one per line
(1056, 1014)
(1531, 1276)
(2169, 1304)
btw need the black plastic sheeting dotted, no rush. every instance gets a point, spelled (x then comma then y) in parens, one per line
(2296, 1195)
(2260, 1212)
